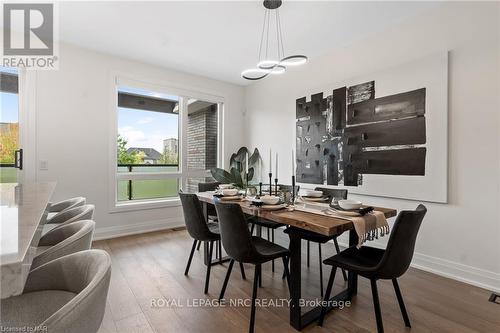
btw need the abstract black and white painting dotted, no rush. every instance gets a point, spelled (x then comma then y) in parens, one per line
(383, 134)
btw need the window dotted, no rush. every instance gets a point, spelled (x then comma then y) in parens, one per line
(9, 123)
(164, 142)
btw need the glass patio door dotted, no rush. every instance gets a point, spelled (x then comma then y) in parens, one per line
(11, 154)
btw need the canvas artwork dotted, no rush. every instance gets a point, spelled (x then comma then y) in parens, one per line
(384, 134)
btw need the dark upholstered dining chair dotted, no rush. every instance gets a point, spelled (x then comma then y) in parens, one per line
(241, 246)
(271, 225)
(375, 264)
(200, 231)
(211, 213)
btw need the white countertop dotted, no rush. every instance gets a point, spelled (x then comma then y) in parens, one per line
(23, 208)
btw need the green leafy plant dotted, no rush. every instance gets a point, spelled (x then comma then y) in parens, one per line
(237, 164)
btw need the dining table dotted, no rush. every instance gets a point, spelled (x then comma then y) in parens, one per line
(23, 212)
(297, 222)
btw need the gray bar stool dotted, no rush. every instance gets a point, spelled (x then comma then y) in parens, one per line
(69, 238)
(64, 295)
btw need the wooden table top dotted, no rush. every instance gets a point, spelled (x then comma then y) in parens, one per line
(324, 225)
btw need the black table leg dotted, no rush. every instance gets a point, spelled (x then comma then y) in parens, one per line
(352, 279)
(295, 279)
(299, 320)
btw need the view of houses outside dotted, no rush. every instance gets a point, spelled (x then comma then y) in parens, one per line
(148, 141)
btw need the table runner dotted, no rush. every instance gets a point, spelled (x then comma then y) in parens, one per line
(367, 227)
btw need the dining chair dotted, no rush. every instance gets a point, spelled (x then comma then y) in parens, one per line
(66, 204)
(70, 238)
(241, 246)
(200, 231)
(376, 264)
(85, 212)
(271, 226)
(67, 294)
(310, 236)
(211, 213)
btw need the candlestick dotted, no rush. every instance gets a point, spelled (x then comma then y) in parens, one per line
(293, 163)
(293, 190)
(246, 163)
(260, 170)
(276, 165)
(270, 183)
(270, 162)
(276, 186)
(260, 189)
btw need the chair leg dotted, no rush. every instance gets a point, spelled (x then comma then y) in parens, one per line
(198, 247)
(251, 228)
(376, 305)
(256, 278)
(220, 251)
(242, 269)
(401, 303)
(217, 250)
(327, 295)
(209, 266)
(272, 240)
(286, 272)
(337, 248)
(190, 257)
(226, 279)
(320, 269)
(308, 251)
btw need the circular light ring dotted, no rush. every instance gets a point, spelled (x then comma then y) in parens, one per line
(294, 60)
(267, 64)
(255, 73)
(278, 69)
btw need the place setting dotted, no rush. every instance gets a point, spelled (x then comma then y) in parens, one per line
(227, 192)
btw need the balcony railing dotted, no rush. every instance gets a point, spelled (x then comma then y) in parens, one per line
(148, 192)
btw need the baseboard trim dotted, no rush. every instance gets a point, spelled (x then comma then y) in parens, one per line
(471, 275)
(138, 228)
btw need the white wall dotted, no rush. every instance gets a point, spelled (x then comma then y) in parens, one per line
(73, 130)
(458, 239)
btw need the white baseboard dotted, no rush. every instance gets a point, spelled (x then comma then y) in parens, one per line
(138, 228)
(453, 270)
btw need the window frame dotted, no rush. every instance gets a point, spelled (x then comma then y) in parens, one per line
(184, 93)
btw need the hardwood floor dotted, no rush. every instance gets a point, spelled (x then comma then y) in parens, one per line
(150, 268)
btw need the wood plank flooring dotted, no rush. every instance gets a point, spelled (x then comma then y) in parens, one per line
(150, 268)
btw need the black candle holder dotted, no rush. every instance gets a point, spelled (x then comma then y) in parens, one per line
(276, 186)
(260, 189)
(293, 190)
(246, 189)
(270, 183)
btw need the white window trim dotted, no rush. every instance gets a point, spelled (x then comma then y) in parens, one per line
(120, 79)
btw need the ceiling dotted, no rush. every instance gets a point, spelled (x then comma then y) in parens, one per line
(220, 39)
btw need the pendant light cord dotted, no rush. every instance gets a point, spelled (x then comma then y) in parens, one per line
(280, 32)
(262, 34)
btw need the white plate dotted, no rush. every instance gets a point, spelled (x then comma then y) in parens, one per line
(350, 204)
(231, 198)
(272, 207)
(311, 193)
(311, 199)
(344, 212)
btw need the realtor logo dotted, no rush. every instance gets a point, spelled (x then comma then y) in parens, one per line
(28, 35)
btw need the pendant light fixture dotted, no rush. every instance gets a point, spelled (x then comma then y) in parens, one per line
(267, 64)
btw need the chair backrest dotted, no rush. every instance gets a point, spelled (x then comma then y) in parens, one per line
(333, 192)
(193, 216)
(234, 232)
(85, 273)
(67, 204)
(67, 239)
(288, 188)
(85, 212)
(204, 187)
(401, 244)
